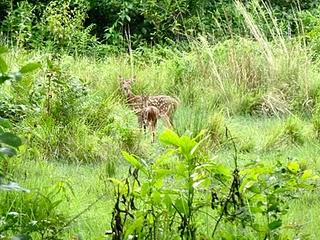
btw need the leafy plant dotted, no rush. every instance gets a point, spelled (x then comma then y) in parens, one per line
(34, 214)
(18, 25)
(183, 186)
(269, 190)
(9, 142)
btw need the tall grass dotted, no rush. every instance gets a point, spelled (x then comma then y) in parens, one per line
(263, 88)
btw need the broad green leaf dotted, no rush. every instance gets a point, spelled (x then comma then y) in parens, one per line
(251, 186)
(10, 139)
(254, 188)
(187, 144)
(171, 191)
(134, 226)
(215, 168)
(134, 162)
(145, 189)
(222, 170)
(259, 227)
(293, 167)
(195, 148)
(306, 174)
(30, 67)
(150, 219)
(275, 224)
(170, 137)
(10, 152)
(156, 197)
(168, 201)
(5, 123)
(254, 209)
(3, 50)
(181, 205)
(3, 66)
(226, 235)
(115, 181)
(181, 169)
(161, 173)
(158, 183)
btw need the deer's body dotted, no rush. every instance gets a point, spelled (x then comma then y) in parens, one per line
(150, 115)
(166, 105)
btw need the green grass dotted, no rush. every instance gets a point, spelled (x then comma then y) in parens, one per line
(261, 98)
(84, 183)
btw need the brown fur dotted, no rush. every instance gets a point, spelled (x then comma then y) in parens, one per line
(166, 105)
(150, 115)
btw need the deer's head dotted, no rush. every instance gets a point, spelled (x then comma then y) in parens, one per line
(126, 85)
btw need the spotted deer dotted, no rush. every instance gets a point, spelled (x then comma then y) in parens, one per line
(150, 115)
(165, 104)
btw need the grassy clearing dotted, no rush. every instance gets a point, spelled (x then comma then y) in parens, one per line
(81, 184)
(76, 123)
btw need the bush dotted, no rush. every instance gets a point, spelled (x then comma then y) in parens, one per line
(183, 188)
(32, 215)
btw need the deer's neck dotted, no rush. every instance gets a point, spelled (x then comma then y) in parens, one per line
(134, 101)
(130, 95)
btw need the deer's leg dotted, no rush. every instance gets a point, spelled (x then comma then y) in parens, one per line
(152, 133)
(153, 130)
(144, 128)
(142, 123)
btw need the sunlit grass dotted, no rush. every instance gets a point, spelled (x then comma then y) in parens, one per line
(262, 90)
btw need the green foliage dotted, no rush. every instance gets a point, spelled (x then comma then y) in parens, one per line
(62, 26)
(34, 215)
(9, 142)
(316, 119)
(19, 24)
(71, 113)
(30, 214)
(183, 186)
(73, 25)
(311, 23)
(291, 132)
(216, 128)
(269, 189)
(59, 25)
(293, 129)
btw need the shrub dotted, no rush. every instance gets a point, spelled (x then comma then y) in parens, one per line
(291, 132)
(18, 25)
(34, 215)
(183, 186)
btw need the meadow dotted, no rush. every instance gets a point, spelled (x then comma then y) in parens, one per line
(241, 162)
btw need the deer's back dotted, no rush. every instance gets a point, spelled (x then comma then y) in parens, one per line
(164, 103)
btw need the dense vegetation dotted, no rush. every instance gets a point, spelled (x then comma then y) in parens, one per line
(242, 160)
(77, 26)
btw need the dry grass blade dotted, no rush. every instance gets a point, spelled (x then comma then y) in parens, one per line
(255, 31)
